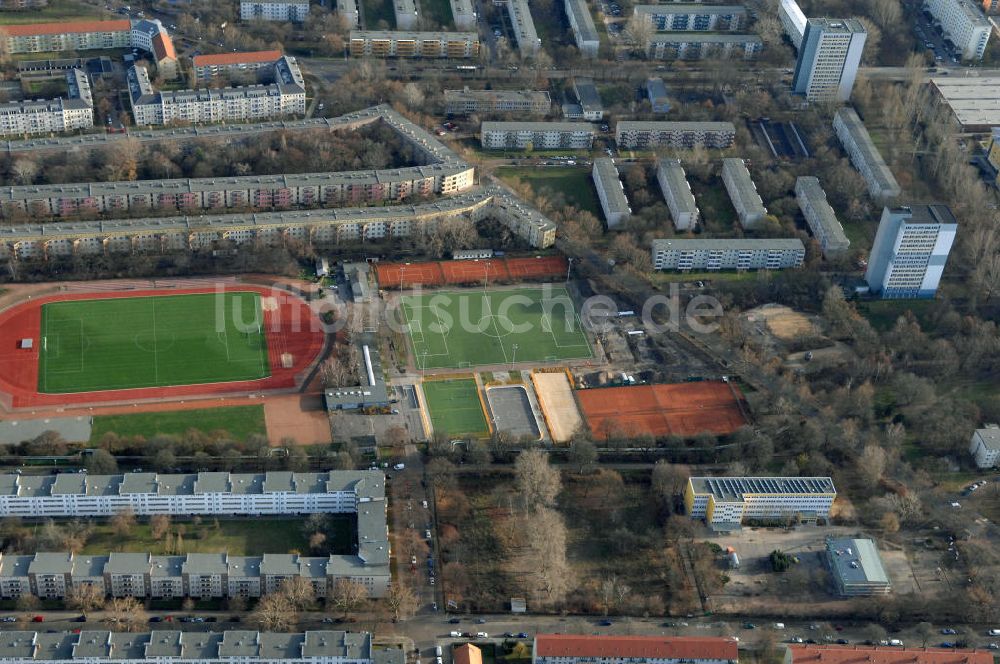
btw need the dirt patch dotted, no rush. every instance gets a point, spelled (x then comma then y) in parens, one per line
(300, 417)
(783, 322)
(555, 396)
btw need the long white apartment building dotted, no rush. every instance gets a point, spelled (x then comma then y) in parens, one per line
(295, 11)
(688, 255)
(743, 192)
(286, 95)
(537, 135)
(985, 446)
(610, 191)
(700, 46)
(692, 17)
(964, 23)
(402, 44)
(582, 24)
(463, 14)
(67, 36)
(42, 116)
(54, 575)
(793, 21)
(677, 194)
(245, 646)
(857, 142)
(523, 26)
(727, 502)
(406, 14)
(820, 217)
(614, 649)
(651, 134)
(514, 102)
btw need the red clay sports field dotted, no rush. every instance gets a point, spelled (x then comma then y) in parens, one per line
(293, 335)
(441, 273)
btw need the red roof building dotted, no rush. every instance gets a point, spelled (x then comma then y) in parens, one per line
(827, 654)
(226, 59)
(467, 654)
(572, 648)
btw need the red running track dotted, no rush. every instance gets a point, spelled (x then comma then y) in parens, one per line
(291, 327)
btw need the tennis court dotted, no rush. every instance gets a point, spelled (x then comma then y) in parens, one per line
(478, 327)
(441, 273)
(455, 407)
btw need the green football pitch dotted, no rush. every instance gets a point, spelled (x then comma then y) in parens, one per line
(475, 328)
(455, 407)
(122, 343)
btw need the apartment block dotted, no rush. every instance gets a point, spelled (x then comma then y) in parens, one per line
(686, 255)
(726, 502)
(793, 21)
(677, 194)
(743, 192)
(523, 26)
(68, 36)
(613, 649)
(699, 46)
(582, 24)
(285, 95)
(219, 64)
(692, 17)
(152, 37)
(248, 647)
(800, 653)
(962, 22)
(985, 446)
(406, 14)
(393, 44)
(610, 191)
(75, 111)
(656, 91)
(910, 251)
(828, 59)
(650, 134)
(536, 135)
(858, 144)
(295, 11)
(463, 14)
(514, 102)
(524, 220)
(820, 217)
(350, 12)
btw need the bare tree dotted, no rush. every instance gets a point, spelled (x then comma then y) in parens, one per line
(159, 526)
(299, 591)
(347, 596)
(546, 531)
(123, 522)
(274, 613)
(538, 483)
(402, 601)
(871, 464)
(85, 597)
(125, 614)
(583, 454)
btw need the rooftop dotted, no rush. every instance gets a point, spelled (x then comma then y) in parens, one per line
(636, 647)
(672, 173)
(583, 20)
(611, 184)
(670, 125)
(990, 435)
(836, 25)
(743, 187)
(811, 189)
(689, 8)
(404, 35)
(734, 488)
(931, 213)
(856, 561)
(244, 57)
(534, 96)
(828, 654)
(703, 38)
(585, 127)
(35, 29)
(870, 154)
(467, 654)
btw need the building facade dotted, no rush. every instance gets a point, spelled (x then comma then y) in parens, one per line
(631, 134)
(962, 22)
(699, 46)
(75, 111)
(865, 157)
(692, 17)
(856, 567)
(68, 36)
(820, 217)
(610, 191)
(985, 446)
(743, 192)
(793, 21)
(209, 66)
(727, 502)
(601, 649)
(536, 135)
(677, 194)
(295, 11)
(463, 14)
(725, 254)
(828, 59)
(393, 44)
(514, 102)
(910, 251)
(582, 25)
(152, 37)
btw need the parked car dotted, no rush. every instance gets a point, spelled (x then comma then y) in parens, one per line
(455, 635)
(38, 619)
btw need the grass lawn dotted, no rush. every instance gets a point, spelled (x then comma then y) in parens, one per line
(239, 537)
(440, 12)
(860, 233)
(574, 184)
(131, 342)
(882, 314)
(57, 11)
(237, 421)
(718, 216)
(468, 328)
(376, 11)
(455, 407)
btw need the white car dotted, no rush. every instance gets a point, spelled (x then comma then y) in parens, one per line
(995, 632)
(482, 635)
(413, 560)
(455, 634)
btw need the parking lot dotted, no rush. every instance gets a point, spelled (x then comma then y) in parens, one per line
(929, 37)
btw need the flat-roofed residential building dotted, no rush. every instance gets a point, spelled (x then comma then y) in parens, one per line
(582, 25)
(523, 219)
(249, 647)
(829, 58)
(406, 14)
(686, 255)
(743, 192)
(400, 44)
(856, 567)
(610, 191)
(43, 116)
(962, 22)
(699, 46)
(537, 135)
(858, 144)
(677, 194)
(351, 13)
(822, 220)
(800, 653)
(985, 446)
(614, 649)
(591, 106)
(692, 17)
(523, 26)
(463, 14)
(656, 91)
(910, 251)
(727, 502)
(793, 21)
(208, 66)
(295, 11)
(514, 102)
(650, 134)
(68, 36)
(974, 100)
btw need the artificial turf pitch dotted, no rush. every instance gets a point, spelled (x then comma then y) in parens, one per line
(455, 407)
(476, 328)
(155, 341)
